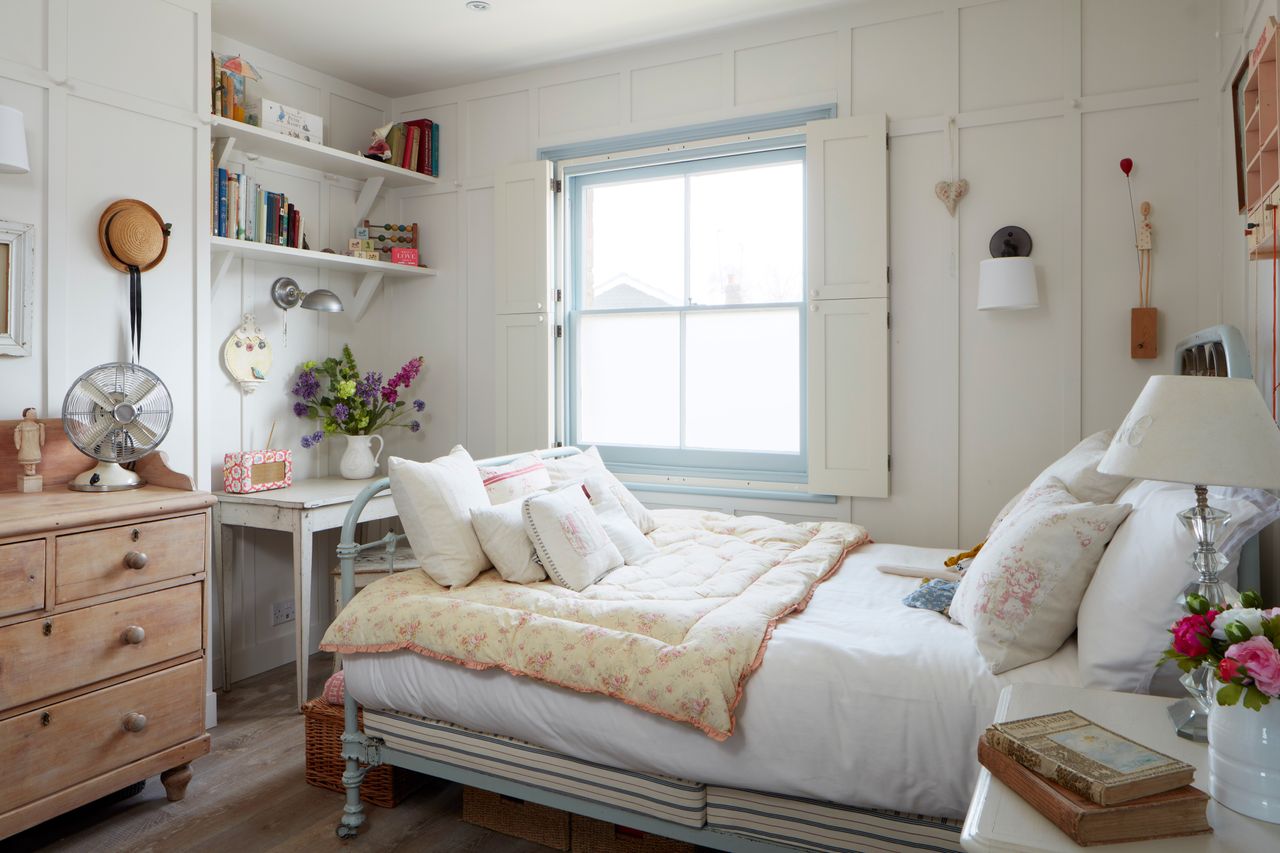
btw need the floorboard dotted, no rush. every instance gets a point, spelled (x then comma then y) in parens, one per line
(248, 795)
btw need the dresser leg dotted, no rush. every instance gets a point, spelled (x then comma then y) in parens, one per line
(175, 782)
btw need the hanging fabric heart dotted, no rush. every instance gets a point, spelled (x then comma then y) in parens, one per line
(950, 193)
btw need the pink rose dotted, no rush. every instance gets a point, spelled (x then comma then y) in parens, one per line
(1261, 661)
(1228, 669)
(1191, 634)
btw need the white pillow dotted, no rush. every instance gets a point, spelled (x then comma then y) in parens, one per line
(522, 476)
(570, 541)
(583, 465)
(622, 531)
(1020, 595)
(434, 500)
(1078, 471)
(501, 532)
(1132, 601)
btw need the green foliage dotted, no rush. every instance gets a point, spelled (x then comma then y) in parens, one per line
(1229, 694)
(1254, 698)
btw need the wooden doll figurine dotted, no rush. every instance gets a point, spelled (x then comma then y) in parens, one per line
(28, 438)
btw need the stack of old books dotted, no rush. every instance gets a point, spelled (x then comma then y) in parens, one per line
(1093, 784)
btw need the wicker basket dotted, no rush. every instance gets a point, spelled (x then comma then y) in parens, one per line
(530, 821)
(384, 785)
(598, 836)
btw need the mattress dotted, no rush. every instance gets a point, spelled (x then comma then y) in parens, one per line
(859, 701)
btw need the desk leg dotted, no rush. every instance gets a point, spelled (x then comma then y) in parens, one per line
(224, 559)
(302, 535)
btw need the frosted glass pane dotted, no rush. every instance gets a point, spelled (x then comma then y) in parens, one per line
(632, 251)
(629, 379)
(742, 374)
(746, 235)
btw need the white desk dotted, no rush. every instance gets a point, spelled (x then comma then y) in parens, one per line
(302, 509)
(1000, 820)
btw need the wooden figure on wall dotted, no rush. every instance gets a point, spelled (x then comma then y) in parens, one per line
(1143, 320)
(28, 438)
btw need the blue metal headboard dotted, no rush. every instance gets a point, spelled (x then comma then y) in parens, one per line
(1221, 351)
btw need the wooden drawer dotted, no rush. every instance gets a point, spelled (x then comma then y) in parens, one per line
(44, 657)
(21, 577)
(101, 561)
(46, 750)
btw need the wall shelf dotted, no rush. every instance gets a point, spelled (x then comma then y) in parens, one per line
(224, 249)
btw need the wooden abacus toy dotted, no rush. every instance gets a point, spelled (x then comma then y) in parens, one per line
(390, 241)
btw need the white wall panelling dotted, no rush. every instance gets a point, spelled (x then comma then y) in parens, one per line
(980, 402)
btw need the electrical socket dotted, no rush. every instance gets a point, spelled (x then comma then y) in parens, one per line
(282, 612)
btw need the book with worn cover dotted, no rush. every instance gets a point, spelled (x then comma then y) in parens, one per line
(1084, 757)
(1164, 815)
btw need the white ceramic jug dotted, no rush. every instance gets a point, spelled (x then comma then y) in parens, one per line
(1244, 759)
(359, 462)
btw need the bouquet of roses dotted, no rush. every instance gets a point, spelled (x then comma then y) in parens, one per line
(352, 404)
(1240, 642)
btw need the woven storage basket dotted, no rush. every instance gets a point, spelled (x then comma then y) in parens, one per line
(530, 821)
(383, 785)
(598, 836)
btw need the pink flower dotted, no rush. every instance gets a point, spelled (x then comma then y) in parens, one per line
(1191, 634)
(1228, 669)
(1261, 661)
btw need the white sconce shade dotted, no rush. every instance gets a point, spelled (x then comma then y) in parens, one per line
(13, 142)
(1007, 284)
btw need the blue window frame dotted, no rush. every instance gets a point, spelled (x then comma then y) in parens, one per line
(684, 314)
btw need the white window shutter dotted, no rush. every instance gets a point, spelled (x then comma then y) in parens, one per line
(848, 196)
(522, 231)
(848, 356)
(524, 412)
(523, 241)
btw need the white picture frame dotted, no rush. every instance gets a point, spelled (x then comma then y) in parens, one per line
(17, 287)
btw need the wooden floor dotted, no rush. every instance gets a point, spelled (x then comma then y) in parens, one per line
(247, 795)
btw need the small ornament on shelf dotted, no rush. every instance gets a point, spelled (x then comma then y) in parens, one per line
(387, 239)
(28, 438)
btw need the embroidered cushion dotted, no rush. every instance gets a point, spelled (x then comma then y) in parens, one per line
(570, 541)
(501, 532)
(588, 463)
(434, 501)
(335, 688)
(1132, 600)
(1020, 595)
(622, 531)
(521, 476)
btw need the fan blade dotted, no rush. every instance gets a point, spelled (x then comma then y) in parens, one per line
(97, 395)
(142, 435)
(96, 431)
(146, 386)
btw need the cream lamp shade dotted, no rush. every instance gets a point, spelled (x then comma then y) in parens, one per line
(13, 142)
(1007, 283)
(1202, 430)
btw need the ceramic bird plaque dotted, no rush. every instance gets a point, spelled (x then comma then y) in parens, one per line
(950, 193)
(247, 355)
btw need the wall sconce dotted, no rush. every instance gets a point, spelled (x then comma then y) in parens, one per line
(13, 142)
(286, 294)
(1007, 281)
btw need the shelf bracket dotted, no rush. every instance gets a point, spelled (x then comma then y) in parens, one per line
(364, 293)
(364, 203)
(221, 263)
(222, 149)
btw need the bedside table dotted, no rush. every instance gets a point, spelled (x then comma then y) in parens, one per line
(1000, 820)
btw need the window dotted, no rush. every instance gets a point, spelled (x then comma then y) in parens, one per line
(684, 321)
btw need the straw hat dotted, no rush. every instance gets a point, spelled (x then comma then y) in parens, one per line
(131, 233)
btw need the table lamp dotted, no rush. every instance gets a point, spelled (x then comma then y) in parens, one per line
(1207, 431)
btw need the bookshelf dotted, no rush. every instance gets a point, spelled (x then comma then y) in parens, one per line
(1260, 138)
(225, 249)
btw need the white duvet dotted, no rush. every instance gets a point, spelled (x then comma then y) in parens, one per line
(860, 700)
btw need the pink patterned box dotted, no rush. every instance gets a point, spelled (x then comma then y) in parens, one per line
(257, 470)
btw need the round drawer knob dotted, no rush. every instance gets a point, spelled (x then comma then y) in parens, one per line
(135, 722)
(134, 634)
(136, 560)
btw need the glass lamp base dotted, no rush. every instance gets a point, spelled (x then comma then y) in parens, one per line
(1189, 720)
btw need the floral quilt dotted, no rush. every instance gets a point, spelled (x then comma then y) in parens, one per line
(678, 636)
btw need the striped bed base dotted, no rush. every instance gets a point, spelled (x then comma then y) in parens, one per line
(784, 821)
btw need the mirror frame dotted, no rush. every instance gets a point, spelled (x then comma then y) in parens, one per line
(19, 308)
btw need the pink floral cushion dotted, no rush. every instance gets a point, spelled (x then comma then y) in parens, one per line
(335, 689)
(1020, 595)
(517, 479)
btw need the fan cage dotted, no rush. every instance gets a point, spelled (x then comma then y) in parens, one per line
(96, 398)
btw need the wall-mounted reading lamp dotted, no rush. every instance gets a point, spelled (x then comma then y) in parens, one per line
(1007, 281)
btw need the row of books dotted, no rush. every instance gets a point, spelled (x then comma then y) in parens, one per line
(241, 209)
(415, 145)
(1095, 785)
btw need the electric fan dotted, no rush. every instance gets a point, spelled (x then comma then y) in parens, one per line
(117, 413)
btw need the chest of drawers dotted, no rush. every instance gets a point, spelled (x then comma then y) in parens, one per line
(103, 627)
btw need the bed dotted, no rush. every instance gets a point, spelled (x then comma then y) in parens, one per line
(847, 739)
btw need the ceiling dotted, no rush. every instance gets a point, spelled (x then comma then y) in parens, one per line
(401, 47)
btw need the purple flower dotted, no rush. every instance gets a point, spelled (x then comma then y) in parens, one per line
(341, 412)
(317, 436)
(367, 388)
(419, 405)
(405, 375)
(389, 393)
(414, 426)
(307, 385)
(300, 409)
(306, 442)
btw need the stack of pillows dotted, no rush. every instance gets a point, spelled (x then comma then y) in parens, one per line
(1047, 570)
(568, 519)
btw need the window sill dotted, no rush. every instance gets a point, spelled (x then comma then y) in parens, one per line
(725, 488)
